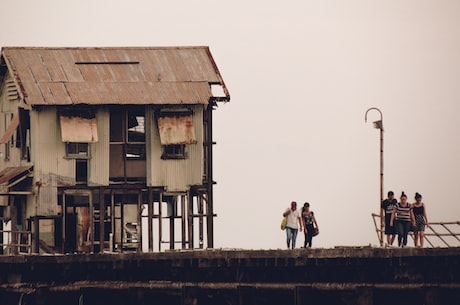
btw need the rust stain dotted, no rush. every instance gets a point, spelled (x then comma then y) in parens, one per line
(78, 129)
(176, 130)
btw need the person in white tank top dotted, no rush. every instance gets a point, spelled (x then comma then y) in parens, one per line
(294, 221)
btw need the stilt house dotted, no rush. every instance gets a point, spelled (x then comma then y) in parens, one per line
(107, 149)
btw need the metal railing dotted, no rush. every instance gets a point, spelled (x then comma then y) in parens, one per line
(437, 234)
(16, 242)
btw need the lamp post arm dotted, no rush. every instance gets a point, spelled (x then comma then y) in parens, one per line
(374, 108)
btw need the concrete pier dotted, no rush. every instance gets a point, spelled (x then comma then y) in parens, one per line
(343, 275)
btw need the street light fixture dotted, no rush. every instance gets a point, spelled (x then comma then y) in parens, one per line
(379, 125)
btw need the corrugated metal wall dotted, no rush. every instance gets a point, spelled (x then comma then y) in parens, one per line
(100, 156)
(8, 107)
(175, 175)
(50, 167)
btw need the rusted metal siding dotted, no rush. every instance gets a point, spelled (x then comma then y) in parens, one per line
(176, 175)
(176, 130)
(78, 129)
(99, 162)
(174, 75)
(51, 169)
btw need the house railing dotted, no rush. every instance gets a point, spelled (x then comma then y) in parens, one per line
(16, 242)
(437, 234)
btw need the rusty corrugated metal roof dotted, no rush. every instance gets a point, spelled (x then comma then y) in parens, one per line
(125, 75)
(10, 173)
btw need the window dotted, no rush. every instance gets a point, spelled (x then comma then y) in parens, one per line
(17, 133)
(77, 150)
(81, 171)
(127, 128)
(11, 123)
(174, 151)
(127, 144)
(23, 134)
(176, 129)
(136, 127)
(135, 151)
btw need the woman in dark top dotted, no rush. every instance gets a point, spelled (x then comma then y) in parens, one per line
(388, 205)
(401, 218)
(309, 224)
(419, 211)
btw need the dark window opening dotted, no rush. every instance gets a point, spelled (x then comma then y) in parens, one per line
(127, 126)
(9, 142)
(116, 126)
(174, 151)
(23, 134)
(7, 151)
(81, 168)
(136, 126)
(127, 144)
(77, 150)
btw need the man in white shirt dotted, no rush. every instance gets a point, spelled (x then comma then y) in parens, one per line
(293, 217)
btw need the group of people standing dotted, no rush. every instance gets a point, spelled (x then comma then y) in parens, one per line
(303, 220)
(402, 217)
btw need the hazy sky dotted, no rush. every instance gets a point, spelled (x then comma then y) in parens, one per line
(301, 75)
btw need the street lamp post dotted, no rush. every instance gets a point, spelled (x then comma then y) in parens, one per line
(379, 125)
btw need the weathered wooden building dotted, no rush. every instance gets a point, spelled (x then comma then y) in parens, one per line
(107, 149)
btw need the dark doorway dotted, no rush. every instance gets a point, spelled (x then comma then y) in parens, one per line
(77, 222)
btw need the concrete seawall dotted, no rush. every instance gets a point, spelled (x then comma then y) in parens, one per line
(361, 275)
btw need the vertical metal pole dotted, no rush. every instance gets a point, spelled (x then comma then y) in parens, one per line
(381, 185)
(160, 222)
(150, 220)
(201, 222)
(122, 222)
(91, 222)
(2, 228)
(140, 204)
(190, 221)
(171, 222)
(210, 181)
(112, 220)
(101, 220)
(379, 125)
(64, 225)
(183, 220)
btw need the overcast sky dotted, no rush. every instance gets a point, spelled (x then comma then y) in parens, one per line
(301, 75)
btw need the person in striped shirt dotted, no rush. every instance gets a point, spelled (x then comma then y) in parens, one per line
(402, 218)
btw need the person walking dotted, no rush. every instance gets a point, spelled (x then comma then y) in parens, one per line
(419, 211)
(293, 218)
(388, 205)
(401, 218)
(310, 226)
